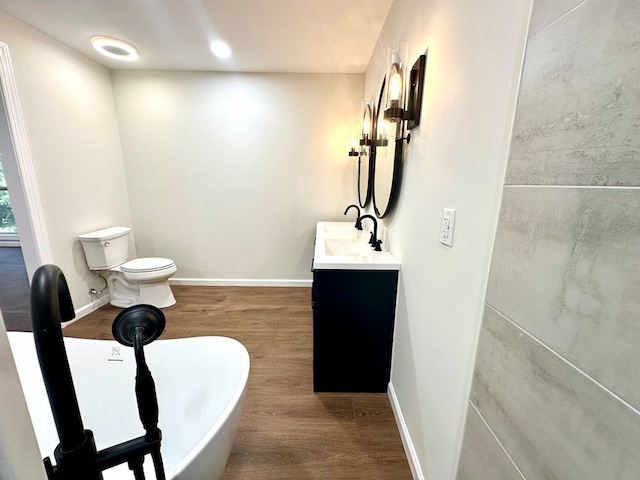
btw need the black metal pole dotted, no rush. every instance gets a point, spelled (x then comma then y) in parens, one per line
(147, 402)
(76, 454)
(145, 390)
(157, 463)
(50, 305)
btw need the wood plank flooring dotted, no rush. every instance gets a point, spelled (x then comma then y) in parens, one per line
(15, 300)
(287, 432)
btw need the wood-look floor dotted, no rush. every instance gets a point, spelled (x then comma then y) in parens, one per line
(287, 432)
(15, 300)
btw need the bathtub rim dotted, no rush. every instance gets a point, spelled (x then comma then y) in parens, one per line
(225, 414)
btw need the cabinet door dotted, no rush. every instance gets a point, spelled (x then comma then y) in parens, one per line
(353, 329)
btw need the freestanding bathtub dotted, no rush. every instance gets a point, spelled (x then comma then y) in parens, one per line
(200, 382)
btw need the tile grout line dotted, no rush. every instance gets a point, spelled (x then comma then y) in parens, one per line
(558, 19)
(497, 440)
(583, 373)
(602, 187)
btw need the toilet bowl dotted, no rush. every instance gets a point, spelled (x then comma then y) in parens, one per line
(130, 282)
(142, 280)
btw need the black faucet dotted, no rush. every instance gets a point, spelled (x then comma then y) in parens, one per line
(358, 224)
(76, 454)
(373, 240)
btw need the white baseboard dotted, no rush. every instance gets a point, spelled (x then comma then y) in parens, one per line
(87, 309)
(232, 282)
(412, 455)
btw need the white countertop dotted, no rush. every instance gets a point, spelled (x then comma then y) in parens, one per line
(339, 246)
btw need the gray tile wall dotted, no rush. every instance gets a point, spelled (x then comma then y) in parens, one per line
(556, 392)
(546, 12)
(566, 268)
(577, 120)
(482, 456)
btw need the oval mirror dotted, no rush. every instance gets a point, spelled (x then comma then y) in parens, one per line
(387, 170)
(365, 162)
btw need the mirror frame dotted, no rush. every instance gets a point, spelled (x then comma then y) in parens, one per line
(398, 156)
(372, 150)
(367, 197)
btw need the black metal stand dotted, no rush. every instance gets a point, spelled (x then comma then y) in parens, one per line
(76, 456)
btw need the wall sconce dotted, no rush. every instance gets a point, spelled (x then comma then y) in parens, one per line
(353, 152)
(382, 137)
(366, 129)
(401, 105)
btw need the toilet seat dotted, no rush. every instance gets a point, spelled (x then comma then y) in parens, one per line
(147, 270)
(147, 265)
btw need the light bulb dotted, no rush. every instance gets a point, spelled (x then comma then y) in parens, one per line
(396, 66)
(114, 48)
(383, 130)
(366, 127)
(395, 86)
(353, 152)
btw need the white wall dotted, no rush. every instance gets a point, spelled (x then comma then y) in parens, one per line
(228, 173)
(70, 122)
(456, 159)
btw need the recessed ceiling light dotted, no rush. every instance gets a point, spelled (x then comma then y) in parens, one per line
(220, 49)
(114, 48)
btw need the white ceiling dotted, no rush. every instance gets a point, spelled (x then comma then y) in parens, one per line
(310, 36)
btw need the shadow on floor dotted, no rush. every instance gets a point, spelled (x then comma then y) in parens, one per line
(14, 290)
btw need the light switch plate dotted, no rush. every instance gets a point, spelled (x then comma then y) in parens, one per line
(448, 224)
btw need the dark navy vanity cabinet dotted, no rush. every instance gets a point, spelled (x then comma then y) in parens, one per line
(353, 320)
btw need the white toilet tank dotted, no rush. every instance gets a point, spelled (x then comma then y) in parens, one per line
(107, 248)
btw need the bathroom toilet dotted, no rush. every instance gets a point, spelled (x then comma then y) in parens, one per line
(131, 282)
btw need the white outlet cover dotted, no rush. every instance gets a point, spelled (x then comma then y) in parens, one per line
(447, 226)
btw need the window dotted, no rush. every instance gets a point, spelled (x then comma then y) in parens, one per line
(7, 221)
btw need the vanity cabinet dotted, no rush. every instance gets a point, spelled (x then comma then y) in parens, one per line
(353, 320)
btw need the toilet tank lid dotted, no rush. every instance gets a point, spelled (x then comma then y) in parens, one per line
(105, 234)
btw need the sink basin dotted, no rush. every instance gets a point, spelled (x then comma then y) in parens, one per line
(337, 230)
(346, 247)
(339, 246)
(332, 227)
(355, 234)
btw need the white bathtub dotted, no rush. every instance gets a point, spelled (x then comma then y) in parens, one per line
(201, 384)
